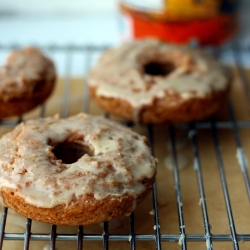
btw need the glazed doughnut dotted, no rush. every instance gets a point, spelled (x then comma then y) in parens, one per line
(149, 81)
(26, 80)
(75, 171)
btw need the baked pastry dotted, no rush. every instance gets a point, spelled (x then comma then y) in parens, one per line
(150, 81)
(75, 171)
(26, 80)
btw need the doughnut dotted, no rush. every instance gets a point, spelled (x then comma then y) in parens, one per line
(149, 81)
(26, 80)
(76, 171)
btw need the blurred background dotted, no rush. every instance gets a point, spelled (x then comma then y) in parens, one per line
(59, 21)
(78, 22)
(95, 22)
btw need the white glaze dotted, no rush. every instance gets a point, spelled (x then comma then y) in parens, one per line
(24, 71)
(119, 73)
(120, 160)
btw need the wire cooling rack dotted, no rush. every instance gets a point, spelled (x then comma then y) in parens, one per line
(87, 55)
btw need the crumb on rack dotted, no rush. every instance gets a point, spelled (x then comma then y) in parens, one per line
(200, 201)
(155, 227)
(152, 212)
(241, 157)
(181, 239)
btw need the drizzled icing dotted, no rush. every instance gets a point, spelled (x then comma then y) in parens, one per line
(24, 73)
(119, 161)
(119, 73)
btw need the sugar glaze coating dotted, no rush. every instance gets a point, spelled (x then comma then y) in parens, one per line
(117, 163)
(24, 72)
(191, 79)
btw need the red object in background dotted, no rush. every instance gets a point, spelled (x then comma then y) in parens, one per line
(222, 27)
(209, 22)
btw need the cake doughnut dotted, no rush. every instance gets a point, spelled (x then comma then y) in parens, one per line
(26, 80)
(149, 81)
(75, 171)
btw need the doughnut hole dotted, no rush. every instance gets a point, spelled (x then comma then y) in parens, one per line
(70, 152)
(155, 68)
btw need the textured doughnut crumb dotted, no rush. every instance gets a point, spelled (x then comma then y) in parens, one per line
(26, 80)
(149, 81)
(75, 171)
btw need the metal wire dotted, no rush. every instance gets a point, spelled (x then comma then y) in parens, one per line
(132, 231)
(244, 80)
(157, 236)
(193, 136)
(53, 237)
(182, 240)
(126, 237)
(240, 152)
(85, 84)
(27, 234)
(67, 81)
(224, 185)
(154, 196)
(105, 242)
(80, 238)
(2, 225)
(56, 47)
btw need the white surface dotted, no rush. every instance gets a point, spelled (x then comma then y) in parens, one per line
(47, 29)
(59, 22)
(58, 6)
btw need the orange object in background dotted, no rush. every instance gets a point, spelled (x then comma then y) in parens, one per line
(209, 22)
